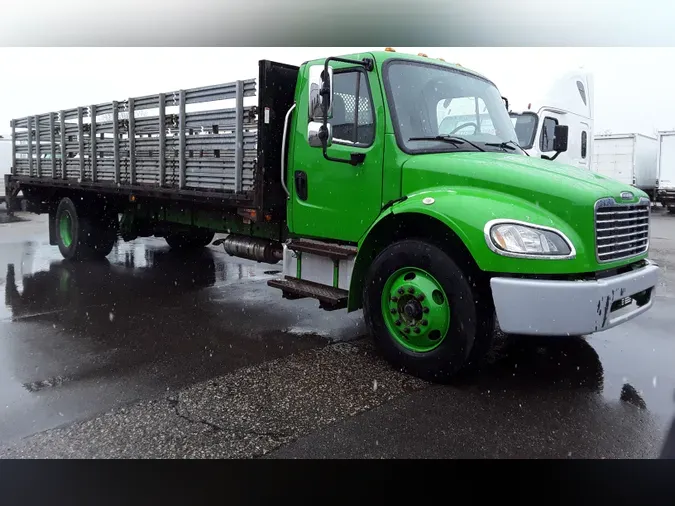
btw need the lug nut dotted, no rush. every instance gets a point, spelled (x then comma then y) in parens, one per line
(406, 330)
(421, 297)
(425, 323)
(417, 330)
(401, 291)
(425, 310)
(393, 311)
(394, 299)
(411, 290)
(397, 322)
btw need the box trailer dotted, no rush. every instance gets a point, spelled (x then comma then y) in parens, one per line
(629, 158)
(666, 170)
(341, 171)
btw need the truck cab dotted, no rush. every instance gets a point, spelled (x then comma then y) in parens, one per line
(569, 101)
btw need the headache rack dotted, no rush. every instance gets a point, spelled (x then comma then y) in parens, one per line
(204, 142)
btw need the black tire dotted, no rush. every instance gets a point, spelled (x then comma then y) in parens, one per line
(84, 237)
(102, 234)
(471, 328)
(190, 240)
(671, 209)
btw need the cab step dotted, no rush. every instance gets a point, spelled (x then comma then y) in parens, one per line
(326, 249)
(293, 288)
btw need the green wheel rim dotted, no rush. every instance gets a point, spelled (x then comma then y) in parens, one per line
(415, 309)
(65, 229)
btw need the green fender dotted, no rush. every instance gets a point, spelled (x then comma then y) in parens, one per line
(466, 211)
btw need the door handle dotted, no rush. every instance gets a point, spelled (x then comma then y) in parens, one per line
(301, 184)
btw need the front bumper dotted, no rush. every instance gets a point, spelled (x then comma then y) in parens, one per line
(563, 308)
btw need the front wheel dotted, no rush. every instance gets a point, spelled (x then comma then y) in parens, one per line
(423, 313)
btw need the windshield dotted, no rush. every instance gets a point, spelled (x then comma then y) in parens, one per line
(525, 125)
(429, 100)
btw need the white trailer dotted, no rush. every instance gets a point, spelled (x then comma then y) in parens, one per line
(666, 170)
(628, 158)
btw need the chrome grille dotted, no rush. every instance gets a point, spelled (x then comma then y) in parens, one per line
(621, 230)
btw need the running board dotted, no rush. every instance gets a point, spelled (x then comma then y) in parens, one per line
(329, 298)
(331, 250)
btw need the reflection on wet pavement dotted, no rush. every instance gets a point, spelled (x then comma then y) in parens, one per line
(92, 335)
(529, 363)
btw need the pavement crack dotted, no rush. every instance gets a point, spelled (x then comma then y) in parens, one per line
(176, 407)
(275, 436)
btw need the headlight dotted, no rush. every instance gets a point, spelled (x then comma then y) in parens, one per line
(518, 239)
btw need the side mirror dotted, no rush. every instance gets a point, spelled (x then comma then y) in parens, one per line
(318, 82)
(314, 136)
(560, 134)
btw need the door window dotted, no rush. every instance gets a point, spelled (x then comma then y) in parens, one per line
(352, 123)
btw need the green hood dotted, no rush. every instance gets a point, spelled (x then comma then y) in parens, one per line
(551, 185)
(546, 189)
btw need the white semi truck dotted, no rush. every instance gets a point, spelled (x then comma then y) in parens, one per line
(629, 158)
(665, 186)
(569, 101)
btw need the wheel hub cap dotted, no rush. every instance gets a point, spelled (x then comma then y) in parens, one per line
(413, 310)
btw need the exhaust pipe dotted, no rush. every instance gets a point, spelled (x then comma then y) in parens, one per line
(252, 248)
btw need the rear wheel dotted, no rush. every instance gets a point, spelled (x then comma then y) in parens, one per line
(189, 239)
(424, 314)
(82, 237)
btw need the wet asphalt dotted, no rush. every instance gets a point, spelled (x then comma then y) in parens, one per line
(153, 354)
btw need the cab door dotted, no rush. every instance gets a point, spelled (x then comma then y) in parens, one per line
(329, 199)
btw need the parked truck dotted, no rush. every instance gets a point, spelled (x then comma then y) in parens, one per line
(629, 158)
(5, 163)
(341, 172)
(568, 101)
(665, 186)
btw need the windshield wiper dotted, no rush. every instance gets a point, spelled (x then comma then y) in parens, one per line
(507, 145)
(452, 139)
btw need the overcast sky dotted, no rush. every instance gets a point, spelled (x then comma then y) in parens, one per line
(632, 85)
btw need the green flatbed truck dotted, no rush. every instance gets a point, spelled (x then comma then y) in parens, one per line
(345, 170)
